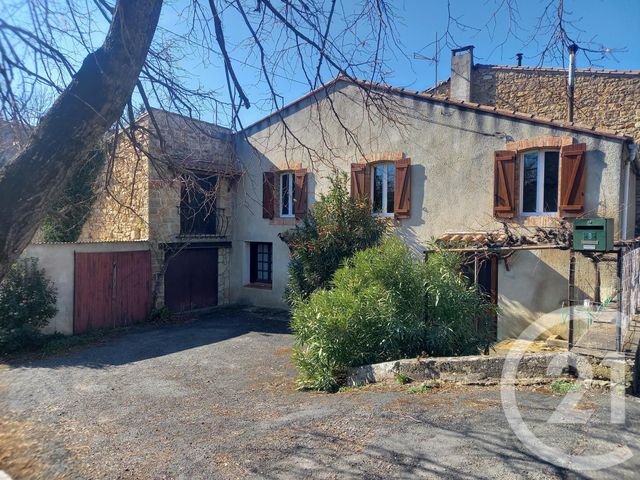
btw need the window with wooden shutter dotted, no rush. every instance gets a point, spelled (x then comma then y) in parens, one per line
(359, 180)
(301, 192)
(402, 188)
(504, 187)
(268, 194)
(573, 174)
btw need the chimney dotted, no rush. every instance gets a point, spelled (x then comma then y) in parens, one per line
(571, 81)
(519, 59)
(461, 72)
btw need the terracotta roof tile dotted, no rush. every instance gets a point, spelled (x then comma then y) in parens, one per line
(449, 101)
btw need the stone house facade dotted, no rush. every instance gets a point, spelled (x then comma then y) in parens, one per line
(606, 99)
(453, 167)
(146, 187)
(449, 151)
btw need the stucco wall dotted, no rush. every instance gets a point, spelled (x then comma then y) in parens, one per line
(451, 149)
(57, 259)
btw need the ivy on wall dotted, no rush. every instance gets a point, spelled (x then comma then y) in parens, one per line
(67, 215)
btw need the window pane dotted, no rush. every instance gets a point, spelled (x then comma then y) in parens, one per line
(261, 260)
(284, 194)
(530, 182)
(390, 181)
(551, 162)
(378, 178)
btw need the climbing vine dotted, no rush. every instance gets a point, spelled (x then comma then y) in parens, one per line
(64, 220)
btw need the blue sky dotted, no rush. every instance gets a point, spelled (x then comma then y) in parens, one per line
(612, 23)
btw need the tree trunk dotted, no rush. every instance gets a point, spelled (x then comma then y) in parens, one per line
(88, 107)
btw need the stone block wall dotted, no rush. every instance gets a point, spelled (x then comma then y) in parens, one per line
(120, 212)
(224, 277)
(141, 200)
(608, 100)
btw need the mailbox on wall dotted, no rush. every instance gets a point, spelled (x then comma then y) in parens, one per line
(593, 234)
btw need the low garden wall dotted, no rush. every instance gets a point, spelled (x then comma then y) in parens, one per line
(470, 370)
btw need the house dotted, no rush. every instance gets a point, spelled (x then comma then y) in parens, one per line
(435, 167)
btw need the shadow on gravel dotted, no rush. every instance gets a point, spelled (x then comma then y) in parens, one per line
(156, 341)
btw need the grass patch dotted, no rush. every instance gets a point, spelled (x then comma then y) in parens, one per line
(351, 388)
(403, 378)
(423, 388)
(562, 387)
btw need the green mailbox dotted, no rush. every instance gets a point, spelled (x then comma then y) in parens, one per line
(593, 234)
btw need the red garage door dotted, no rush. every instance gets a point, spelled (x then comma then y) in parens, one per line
(111, 289)
(191, 279)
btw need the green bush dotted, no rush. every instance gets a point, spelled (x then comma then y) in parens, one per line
(460, 318)
(336, 227)
(376, 311)
(27, 303)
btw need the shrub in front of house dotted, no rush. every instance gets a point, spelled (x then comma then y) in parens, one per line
(336, 227)
(385, 305)
(27, 303)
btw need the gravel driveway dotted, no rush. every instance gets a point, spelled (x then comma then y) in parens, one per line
(215, 399)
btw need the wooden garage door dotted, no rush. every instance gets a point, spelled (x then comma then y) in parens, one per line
(191, 279)
(111, 289)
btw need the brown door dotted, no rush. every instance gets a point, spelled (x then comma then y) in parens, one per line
(191, 279)
(111, 289)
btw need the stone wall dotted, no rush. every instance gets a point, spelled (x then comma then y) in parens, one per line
(189, 145)
(608, 100)
(142, 198)
(120, 212)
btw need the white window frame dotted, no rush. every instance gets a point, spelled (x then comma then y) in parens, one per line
(385, 177)
(291, 185)
(539, 184)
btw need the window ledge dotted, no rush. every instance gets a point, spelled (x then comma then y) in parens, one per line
(283, 221)
(537, 220)
(262, 286)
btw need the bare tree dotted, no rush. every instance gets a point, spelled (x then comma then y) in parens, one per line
(308, 41)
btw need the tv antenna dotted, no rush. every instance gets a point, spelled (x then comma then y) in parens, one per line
(435, 59)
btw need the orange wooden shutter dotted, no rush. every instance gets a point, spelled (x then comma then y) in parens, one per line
(504, 184)
(268, 194)
(301, 192)
(358, 180)
(402, 188)
(573, 174)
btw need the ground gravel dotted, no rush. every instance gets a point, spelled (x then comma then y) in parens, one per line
(215, 398)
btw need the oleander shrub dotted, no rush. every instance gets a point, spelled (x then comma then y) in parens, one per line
(336, 227)
(384, 304)
(27, 303)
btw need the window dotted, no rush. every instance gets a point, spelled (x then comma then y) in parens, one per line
(382, 188)
(198, 206)
(287, 194)
(260, 262)
(539, 182)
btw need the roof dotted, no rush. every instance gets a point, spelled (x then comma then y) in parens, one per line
(439, 99)
(480, 239)
(581, 71)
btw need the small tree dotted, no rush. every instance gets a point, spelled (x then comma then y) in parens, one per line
(336, 227)
(27, 303)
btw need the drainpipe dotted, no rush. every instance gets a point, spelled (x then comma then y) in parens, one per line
(573, 49)
(625, 209)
